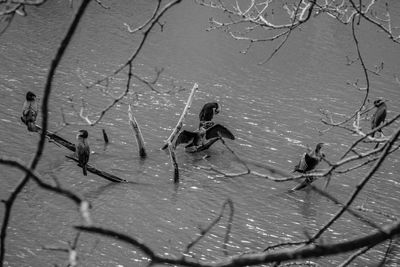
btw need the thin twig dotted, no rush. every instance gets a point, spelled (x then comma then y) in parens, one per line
(204, 232)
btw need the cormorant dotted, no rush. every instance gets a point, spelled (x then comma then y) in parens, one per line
(379, 116)
(30, 111)
(204, 133)
(82, 151)
(307, 163)
(208, 111)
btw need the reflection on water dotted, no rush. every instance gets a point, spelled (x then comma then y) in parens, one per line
(272, 110)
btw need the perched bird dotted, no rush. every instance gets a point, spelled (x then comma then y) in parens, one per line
(307, 163)
(379, 116)
(198, 137)
(30, 111)
(208, 111)
(82, 150)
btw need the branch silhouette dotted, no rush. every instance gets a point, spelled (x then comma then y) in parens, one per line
(44, 112)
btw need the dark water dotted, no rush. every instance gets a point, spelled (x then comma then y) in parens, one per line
(272, 109)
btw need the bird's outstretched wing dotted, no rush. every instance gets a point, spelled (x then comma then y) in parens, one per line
(219, 131)
(185, 137)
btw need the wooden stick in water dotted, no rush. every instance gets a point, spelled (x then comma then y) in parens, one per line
(100, 173)
(174, 163)
(105, 137)
(179, 125)
(138, 133)
(59, 140)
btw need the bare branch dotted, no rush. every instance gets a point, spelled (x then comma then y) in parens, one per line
(360, 186)
(250, 259)
(16, 163)
(44, 112)
(151, 18)
(354, 256)
(387, 30)
(150, 24)
(204, 232)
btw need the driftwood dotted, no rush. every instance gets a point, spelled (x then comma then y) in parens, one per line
(138, 133)
(101, 173)
(59, 140)
(179, 125)
(174, 163)
(65, 143)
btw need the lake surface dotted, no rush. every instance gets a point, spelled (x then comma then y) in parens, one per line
(272, 109)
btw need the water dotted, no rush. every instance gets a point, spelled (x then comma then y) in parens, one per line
(272, 109)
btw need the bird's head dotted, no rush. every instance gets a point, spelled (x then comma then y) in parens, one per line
(82, 134)
(30, 96)
(378, 102)
(318, 147)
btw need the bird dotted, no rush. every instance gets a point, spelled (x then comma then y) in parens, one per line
(208, 111)
(198, 137)
(30, 111)
(379, 116)
(82, 150)
(307, 163)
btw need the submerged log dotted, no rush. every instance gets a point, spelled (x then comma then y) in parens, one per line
(65, 143)
(100, 173)
(59, 140)
(138, 133)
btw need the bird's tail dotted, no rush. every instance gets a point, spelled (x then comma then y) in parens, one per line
(84, 170)
(31, 126)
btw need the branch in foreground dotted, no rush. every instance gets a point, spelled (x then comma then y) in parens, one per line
(306, 252)
(44, 111)
(360, 186)
(317, 190)
(71, 250)
(203, 232)
(355, 255)
(83, 204)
